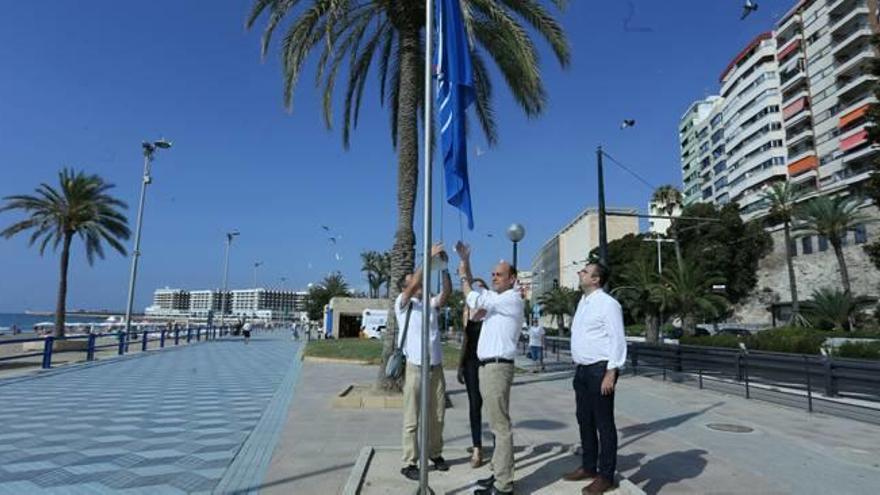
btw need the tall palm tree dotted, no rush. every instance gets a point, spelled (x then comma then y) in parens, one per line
(384, 267)
(685, 291)
(639, 293)
(80, 207)
(370, 264)
(670, 197)
(832, 218)
(391, 32)
(781, 198)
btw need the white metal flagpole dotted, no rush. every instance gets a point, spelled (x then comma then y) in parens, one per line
(426, 257)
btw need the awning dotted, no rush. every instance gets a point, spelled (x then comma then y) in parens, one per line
(803, 165)
(794, 108)
(794, 45)
(852, 116)
(856, 139)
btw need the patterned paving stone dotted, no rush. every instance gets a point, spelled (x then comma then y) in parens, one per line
(170, 422)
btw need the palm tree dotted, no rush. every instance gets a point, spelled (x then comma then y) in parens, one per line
(832, 218)
(384, 267)
(370, 261)
(559, 302)
(833, 308)
(685, 291)
(639, 293)
(80, 207)
(781, 198)
(333, 285)
(670, 197)
(391, 31)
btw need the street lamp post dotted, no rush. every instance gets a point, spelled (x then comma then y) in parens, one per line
(229, 236)
(149, 151)
(256, 265)
(515, 233)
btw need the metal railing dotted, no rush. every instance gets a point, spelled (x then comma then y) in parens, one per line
(804, 373)
(120, 342)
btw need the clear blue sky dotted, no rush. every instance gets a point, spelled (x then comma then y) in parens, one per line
(85, 82)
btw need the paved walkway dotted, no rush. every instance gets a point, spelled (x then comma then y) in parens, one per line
(167, 422)
(666, 443)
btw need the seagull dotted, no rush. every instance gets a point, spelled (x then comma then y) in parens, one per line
(626, 22)
(480, 151)
(627, 123)
(332, 239)
(338, 258)
(748, 8)
(325, 228)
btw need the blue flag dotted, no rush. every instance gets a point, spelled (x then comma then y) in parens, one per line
(455, 92)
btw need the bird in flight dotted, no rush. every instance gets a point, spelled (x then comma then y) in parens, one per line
(748, 8)
(627, 123)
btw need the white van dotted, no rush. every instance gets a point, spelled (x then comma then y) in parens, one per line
(373, 322)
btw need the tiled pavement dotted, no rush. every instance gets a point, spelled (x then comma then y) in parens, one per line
(169, 422)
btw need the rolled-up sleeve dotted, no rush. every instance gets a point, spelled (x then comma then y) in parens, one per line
(616, 335)
(472, 299)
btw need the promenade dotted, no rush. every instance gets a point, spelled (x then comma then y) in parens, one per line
(222, 417)
(171, 421)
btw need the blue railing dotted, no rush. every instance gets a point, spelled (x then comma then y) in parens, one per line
(121, 341)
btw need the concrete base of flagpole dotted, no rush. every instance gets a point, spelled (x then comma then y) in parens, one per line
(539, 471)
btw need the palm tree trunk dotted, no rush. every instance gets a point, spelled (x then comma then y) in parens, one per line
(689, 325)
(61, 304)
(792, 282)
(403, 252)
(652, 328)
(841, 261)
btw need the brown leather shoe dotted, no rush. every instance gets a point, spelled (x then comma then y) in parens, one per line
(580, 474)
(599, 485)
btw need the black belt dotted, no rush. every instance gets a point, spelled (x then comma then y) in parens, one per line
(484, 362)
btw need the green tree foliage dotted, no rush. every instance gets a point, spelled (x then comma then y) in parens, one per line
(333, 285)
(781, 199)
(686, 291)
(639, 293)
(559, 302)
(729, 247)
(831, 309)
(79, 208)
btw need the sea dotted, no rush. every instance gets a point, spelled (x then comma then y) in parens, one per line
(26, 322)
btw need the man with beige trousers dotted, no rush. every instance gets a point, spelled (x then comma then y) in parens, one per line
(409, 313)
(496, 350)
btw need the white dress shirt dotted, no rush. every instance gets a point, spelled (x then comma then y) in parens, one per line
(502, 324)
(412, 348)
(597, 331)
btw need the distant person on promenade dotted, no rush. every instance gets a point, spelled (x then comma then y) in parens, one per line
(536, 345)
(598, 347)
(469, 374)
(496, 350)
(246, 331)
(408, 309)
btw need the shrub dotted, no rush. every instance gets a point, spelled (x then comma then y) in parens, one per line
(786, 339)
(859, 350)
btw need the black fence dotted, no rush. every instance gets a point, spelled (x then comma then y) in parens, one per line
(799, 373)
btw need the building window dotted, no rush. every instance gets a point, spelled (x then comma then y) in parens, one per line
(792, 248)
(861, 234)
(823, 243)
(807, 245)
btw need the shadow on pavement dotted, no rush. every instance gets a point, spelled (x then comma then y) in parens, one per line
(670, 468)
(540, 424)
(639, 431)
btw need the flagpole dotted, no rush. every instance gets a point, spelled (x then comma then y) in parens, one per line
(426, 256)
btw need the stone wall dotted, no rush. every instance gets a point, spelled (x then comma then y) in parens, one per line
(812, 271)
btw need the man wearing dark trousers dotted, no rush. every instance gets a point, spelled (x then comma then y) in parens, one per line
(598, 347)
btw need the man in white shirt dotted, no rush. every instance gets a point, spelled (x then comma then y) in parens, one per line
(410, 301)
(598, 347)
(536, 345)
(496, 350)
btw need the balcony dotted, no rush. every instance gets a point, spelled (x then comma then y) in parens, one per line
(844, 21)
(797, 93)
(858, 61)
(837, 8)
(805, 176)
(790, 80)
(792, 47)
(799, 135)
(847, 87)
(840, 43)
(803, 165)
